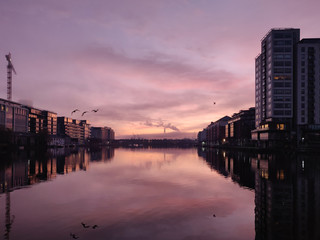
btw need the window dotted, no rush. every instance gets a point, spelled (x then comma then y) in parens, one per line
(278, 112)
(287, 105)
(278, 105)
(278, 84)
(280, 126)
(279, 63)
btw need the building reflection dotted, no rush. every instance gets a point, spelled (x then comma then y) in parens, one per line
(28, 168)
(287, 190)
(235, 165)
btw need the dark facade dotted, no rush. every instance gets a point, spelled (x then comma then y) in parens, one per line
(13, 116)
(216, 131)
(275, 78)
(77, 130)
(102, 134)
(41, 121)
(239, 127)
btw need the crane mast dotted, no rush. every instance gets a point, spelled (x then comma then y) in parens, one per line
(10, 68)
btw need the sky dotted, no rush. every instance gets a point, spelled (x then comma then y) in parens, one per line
(154, 69)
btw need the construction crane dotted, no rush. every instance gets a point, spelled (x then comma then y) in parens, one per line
(10, 68)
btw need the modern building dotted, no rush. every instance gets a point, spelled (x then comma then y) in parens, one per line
(77, 130)
(275, 78)
(239, 127)
(216, 131)
(85, 131)
(50, 122)
(13, 116)
(104, 135)
(308, 90)
(41, 120)
(67, 127)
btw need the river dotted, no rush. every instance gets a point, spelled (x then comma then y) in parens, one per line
(159, 194)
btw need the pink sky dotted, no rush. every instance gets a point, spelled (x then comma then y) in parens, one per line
(145, 64)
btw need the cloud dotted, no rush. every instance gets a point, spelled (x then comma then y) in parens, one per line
(167, 72)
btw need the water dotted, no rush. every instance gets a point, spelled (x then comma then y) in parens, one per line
(159, 194)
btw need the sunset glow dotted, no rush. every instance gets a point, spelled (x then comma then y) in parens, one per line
(153, 68)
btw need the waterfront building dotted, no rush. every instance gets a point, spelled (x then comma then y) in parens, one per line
(308, 91)
(239, 127)
(85, 131)
(77, 130)
(50, 122)
(70, 128)
(41, 120)
(13, 116)
(104, 135)
(275, 78)
(202, 137)
(216, 131)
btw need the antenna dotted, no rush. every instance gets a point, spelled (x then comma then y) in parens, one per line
(10, 68)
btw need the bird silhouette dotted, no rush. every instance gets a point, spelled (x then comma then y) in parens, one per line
(84, 113)
(74, 111)
(74, 236)
(214, 215)
(214, 103)
(84, 225)
(95, 110)
(94, 226)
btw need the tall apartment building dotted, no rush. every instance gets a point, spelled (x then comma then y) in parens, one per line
(308, 88)
(275, 78)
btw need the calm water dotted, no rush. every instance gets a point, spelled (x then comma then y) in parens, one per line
(159, 194)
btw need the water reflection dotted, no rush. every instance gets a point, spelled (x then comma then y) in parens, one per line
(159, 194)
(27, 168)
(287, 190)
(140, 194)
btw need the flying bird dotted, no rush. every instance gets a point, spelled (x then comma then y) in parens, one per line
(76, 110)
(95, 110)
(74, 236)
(84, 113)
(84, 225)
(94, 226)
(214, 103)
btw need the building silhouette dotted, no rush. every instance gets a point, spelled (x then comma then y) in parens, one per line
(308, 91)
(275, 78)
(287, 89)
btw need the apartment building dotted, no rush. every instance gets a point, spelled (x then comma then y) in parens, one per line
(275, 78)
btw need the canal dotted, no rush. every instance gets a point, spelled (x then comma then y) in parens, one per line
(159, 194)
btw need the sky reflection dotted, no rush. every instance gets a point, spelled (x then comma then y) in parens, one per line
(142, 194)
